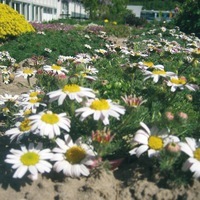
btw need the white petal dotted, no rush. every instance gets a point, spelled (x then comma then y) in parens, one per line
(20, 172)
(145, 127)
(84, 170)
(133, 151)
(141, 137)
(33, 170)
(152, 153)
(186, 148)
(186, 165)
(191, 142)
(141, 149)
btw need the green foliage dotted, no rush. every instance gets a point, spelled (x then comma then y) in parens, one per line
(188, 19)
(60, 42)
(119, 75)
(132, 20)
(106, 9)
(118, 31)
(156, 4)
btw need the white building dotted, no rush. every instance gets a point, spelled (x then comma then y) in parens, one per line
(47, 10)
(135, 10)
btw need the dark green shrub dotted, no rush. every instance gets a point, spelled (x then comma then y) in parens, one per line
(188, 18)
(132, 20)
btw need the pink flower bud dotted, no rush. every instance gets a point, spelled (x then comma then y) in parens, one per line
(169, 116)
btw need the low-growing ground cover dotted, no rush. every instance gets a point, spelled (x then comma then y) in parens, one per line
(94, 103)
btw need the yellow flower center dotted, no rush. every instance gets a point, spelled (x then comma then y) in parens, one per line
(155, 142)
(56, 67)
(75, 154)
(25, 125)
(71, 88)
(178, 81)
(101, 104)
(159, 72)
(5, 110)
(197, 154)
(34, 100)
(50, 118)
(28, 71)
(33, 94)
(27, 112)
(148, 64)
(30, 158)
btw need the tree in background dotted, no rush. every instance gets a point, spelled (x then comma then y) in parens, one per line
(188, 18)
(91, 6)
(110, 9)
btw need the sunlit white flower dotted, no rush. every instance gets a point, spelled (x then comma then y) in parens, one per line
(32, 103)
(192, 148)
(90, 70)
(163, 29)
(48, 50)
(101, 51)
(73, 158)
(181, 83)
(22, 128)
(32, 160)
(26, 72)
(149, 65)
(138, 54)
(56, 69)
(156, 74)
(8, 98)
(82, 58)
(32, 93)
(101, 109)
(49, 123)
(65, 58)
(88, 46)
(151, 140)
(73, 91)
(41, 33)
(87, 76)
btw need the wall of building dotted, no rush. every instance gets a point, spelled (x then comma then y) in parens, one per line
(46, 10)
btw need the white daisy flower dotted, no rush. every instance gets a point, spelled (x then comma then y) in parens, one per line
(192, 148)
(8, 98)
(156, 74)
(152, 141)
(73, 158)
(32, 160)
(56, 69)
(82, 60)
(31, 94)
(73, 91)
(149, 65)
(100, 109)
(138, 54)
(22, 128)
(26, 72)
(180, 82)
(88, 46)
(32, 104)
(91, 70)
(87, 76)
(48, 123)
(48, 50)
(102, 51)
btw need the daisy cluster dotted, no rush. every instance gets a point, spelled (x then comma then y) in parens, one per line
(83, 103)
